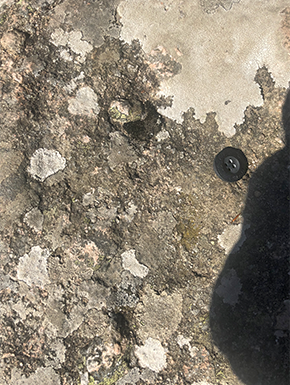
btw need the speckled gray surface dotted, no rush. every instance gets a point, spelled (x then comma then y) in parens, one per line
(124, 259)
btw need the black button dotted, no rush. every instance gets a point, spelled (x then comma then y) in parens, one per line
(230, 164)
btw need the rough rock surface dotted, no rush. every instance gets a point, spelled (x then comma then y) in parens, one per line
(117, 257)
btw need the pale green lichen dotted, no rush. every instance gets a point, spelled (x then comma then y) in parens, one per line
(110, 380)
(3, 18)
(122, 111)
(187, 227)
(189, 232)
(83, 364)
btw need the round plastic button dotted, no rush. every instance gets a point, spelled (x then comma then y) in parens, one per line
(230, 164)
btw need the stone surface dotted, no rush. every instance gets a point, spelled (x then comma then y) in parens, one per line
(219, 49)
(124, 259)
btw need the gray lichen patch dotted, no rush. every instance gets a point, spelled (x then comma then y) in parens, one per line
(183, 341)
(135, 375)
(230, 236)
(96, 20)
(85, 103)
(164, 223)
(211, 6)
(45, 163)
(88, 199)
(131, 263)
(130, 212)
(158, 315)
(162, 135)
(32, 268)
(34, 219)
(230, 288)
(73, 40)
(151, 355)
(121, 151)
(41, 376)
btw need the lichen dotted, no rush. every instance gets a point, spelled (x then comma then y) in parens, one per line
(110, 380)
(187, 226)
(189, 233)
(82, 364)
(124, 112)
(3, 18)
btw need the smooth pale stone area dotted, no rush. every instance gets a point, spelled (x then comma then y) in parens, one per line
(220, 52)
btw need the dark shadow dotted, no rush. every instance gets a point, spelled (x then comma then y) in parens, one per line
(144, 130)
(250, 309)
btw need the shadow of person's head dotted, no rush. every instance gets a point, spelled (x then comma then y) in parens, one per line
(250, 306)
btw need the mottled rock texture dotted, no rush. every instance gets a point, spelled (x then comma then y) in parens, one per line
(116, 259)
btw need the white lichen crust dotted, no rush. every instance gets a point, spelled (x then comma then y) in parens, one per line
(130, 263)
(152, 355)
(32, 268)
(45, 163)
